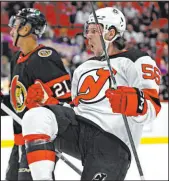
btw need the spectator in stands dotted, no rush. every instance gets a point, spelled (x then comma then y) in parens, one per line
(13, 7)
(129, 11)
(70, 10)
(146, 16)
(63, 36)
(82, 15)
(78, 4)
(160, 44)
(163, 9)
(118, 5)
(136, 24)
(130, 35)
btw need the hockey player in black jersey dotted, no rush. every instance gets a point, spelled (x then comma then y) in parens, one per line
(38, 78)
(94, 130)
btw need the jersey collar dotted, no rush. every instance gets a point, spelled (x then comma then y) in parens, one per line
(23, 58)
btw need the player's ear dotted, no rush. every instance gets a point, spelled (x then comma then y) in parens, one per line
(25, 29)
(112, 34)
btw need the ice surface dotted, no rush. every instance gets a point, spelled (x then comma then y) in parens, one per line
(153, 158)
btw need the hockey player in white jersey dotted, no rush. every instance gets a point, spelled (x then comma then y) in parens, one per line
(93, 130)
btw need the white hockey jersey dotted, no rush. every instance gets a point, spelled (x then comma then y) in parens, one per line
(132, 68)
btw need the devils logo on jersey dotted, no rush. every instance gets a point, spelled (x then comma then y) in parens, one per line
(18, 94)
(92, 86)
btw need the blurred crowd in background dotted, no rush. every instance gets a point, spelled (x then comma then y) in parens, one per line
(65, 33)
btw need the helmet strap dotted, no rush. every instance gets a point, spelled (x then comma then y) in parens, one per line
(18, 35)
(17, 38)
(16, 41)
(108, 42)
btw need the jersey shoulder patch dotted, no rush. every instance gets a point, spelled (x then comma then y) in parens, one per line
(45, 52)
(45, 55)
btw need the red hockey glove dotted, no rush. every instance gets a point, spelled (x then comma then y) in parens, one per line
(127, 100)
(39, 94)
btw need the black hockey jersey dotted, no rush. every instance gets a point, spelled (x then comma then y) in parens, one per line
(43, 63)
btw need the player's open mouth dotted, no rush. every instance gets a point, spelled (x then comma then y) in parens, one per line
(91, 46)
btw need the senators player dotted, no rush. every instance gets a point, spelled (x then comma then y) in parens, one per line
(38, 78)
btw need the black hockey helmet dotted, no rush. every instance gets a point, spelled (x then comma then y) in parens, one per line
(32, 16)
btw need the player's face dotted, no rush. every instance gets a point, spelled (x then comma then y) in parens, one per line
(94, 41)
(14, 30)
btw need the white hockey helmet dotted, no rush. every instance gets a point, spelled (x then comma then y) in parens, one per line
(108, 17)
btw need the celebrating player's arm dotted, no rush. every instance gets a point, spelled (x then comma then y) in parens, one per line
(140, 99)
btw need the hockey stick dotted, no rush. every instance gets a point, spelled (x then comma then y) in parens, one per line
(115, 87)
(59, 155)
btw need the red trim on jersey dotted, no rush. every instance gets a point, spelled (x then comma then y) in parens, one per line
(163, 100)
(152, 93)
(18, 139)
(60, 79)
(40, 155)
(24, 58)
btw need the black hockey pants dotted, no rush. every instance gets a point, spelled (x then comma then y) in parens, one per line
(103, 155)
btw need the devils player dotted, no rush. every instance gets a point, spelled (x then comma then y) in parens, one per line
(38, 78)
(94, 129)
